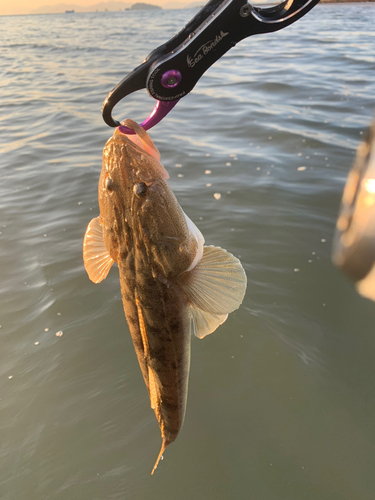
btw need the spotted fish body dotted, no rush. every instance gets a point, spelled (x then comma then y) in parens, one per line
(168, 278)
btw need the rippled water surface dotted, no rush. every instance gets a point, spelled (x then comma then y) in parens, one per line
(281, 400)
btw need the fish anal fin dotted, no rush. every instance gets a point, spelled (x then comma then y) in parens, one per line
(96, 257)
(215, 287)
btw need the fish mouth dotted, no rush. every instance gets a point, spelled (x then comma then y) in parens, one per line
(144, 144)
(140, 138)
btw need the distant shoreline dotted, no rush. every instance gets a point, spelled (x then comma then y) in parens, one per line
(129, 9)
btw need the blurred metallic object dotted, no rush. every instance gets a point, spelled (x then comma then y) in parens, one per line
(354, 241)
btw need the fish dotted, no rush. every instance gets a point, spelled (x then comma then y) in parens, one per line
(170, 281)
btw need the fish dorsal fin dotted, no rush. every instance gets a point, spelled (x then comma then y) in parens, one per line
(96, 257)
(215, 287)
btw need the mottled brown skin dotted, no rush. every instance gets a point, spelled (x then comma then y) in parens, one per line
(148, 238)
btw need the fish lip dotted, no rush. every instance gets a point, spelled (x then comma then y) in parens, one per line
(125, 138)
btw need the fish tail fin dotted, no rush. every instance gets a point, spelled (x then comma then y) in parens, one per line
(164, 444)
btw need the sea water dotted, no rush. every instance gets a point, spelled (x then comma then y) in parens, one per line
(281, 401)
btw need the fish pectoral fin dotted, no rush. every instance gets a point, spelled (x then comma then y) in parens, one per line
(96, 257)
(215, 287)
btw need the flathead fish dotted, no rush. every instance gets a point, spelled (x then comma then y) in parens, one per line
(169, 279)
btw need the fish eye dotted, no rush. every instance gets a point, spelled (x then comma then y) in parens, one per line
(140, 189)
(109, 184)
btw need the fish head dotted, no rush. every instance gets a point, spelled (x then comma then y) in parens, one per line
(139, 213)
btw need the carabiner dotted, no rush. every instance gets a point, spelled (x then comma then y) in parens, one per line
(172, 70)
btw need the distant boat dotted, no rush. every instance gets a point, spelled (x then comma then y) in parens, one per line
(69, 11)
